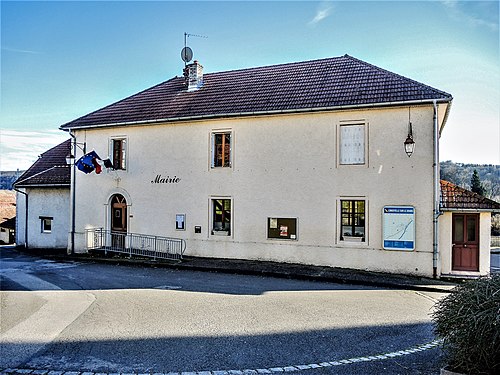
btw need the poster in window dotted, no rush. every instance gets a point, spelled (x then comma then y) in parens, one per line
(282, 228)
(180, 220)
(273, 223)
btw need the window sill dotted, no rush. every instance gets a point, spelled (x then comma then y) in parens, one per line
(349, 243)
(221, 233)
(352, 239)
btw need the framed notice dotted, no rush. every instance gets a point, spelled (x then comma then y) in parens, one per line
(180, 222)
(282, 228)
(398, 227)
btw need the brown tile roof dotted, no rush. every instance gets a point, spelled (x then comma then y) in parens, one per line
(7, 206)
(49, 170)
(455, 197)
(302, 86)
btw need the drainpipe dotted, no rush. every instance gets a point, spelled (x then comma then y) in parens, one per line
(25, 218)
(73, 185)
(436, 213)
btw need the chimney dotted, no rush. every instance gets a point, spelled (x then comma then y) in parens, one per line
(194, 76)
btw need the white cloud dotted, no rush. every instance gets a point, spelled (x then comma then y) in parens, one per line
(477, 14)
(19, 149)
(17, 50)
(323, 11)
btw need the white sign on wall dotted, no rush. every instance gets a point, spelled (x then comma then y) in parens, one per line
(399, 228)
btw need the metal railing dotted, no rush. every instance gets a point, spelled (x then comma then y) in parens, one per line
(495, 241)
(134, 244)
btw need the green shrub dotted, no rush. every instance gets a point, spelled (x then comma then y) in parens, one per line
(468, 321)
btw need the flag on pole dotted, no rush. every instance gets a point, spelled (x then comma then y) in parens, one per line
(92, 162)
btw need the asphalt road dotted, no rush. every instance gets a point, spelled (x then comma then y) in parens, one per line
(71, 316)
(495, 260)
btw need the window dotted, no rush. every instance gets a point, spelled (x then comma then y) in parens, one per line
(352, 220)
(46, 224)
(119, 148)
(221, 216)
(352, 144)
(221, 149)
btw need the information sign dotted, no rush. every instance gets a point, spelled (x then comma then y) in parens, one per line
(399, 228)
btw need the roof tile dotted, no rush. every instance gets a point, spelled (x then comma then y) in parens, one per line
(50, 169)
(326, 83)
(455, 197)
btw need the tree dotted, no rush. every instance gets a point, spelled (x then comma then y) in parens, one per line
(475, 183)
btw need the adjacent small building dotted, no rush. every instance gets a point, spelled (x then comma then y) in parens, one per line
(43, 201)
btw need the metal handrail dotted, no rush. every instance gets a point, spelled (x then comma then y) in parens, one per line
(142, 245)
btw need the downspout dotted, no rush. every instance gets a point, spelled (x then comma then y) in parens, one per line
(73, 185)
(25, 218)
(436, 213)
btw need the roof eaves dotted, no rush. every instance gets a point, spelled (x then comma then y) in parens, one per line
(19, 183)
(262, 113)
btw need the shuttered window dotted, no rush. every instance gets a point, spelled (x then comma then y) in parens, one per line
(352, 144)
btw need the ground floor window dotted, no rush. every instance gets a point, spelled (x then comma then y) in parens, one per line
(221, 216)
(46, 224)
(352, 214)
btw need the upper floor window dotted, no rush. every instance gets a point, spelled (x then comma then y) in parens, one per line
(119, 149)
(352, 144)
(221, 149)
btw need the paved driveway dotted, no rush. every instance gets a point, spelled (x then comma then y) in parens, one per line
(117, 319)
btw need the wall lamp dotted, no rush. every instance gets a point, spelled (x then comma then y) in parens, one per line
(70, 159)
(409, 142)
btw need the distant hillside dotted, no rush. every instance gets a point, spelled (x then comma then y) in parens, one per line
(460, 174)
(8, 178)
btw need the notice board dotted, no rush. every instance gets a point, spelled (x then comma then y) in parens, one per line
(398, 227)
(282, 228)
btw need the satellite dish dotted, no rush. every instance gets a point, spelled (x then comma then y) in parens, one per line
(186, 54)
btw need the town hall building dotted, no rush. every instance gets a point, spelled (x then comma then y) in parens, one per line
(331, 162)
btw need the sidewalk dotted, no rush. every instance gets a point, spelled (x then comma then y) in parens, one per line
(272, 269)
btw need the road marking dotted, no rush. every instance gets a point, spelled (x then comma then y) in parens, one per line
(43, 326)
(270, 370)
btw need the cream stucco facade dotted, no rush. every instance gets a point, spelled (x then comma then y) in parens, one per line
(282, 166)
(47, 218)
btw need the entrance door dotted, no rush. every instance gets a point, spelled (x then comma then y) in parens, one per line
(118, 221)
(465, 249)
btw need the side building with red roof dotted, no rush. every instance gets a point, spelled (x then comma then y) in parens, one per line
(43, 201)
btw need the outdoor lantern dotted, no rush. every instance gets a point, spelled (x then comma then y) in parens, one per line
(69, 159)
(409, 142)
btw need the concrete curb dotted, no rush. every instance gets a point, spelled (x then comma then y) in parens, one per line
(269, 269)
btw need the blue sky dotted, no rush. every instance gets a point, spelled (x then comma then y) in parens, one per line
(61, 60)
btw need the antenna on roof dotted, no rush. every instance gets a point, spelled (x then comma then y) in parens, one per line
(186, 52)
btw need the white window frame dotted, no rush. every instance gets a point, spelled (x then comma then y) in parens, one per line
(124, 140)
(220, 233)
(43, 224)
(352, 242)
(213, 133)
(340, 162)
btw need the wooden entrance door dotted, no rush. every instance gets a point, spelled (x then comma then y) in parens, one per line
(118, 221)
(465, 251)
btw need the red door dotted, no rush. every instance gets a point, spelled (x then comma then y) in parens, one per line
(465, 249)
